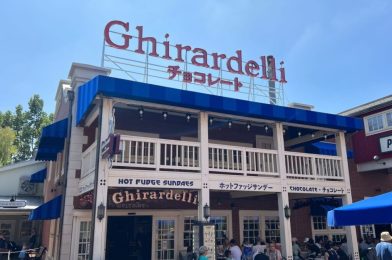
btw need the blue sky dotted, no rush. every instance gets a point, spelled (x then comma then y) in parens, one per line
(337, 53)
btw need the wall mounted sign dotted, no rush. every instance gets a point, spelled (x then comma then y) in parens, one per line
(12, 204)
(243, 186)
(315, 189)
(153, 199)
(110, 146)
(386, 144)
(153, 182)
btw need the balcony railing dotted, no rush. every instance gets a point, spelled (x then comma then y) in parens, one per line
(172, 155)
(88, 160)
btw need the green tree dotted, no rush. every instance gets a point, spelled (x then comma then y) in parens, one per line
(27, 127)
(7, 147)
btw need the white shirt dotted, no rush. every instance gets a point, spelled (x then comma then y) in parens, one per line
(236, 252)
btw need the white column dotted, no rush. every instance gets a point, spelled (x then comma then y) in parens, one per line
(102, 188)
(351, 233)
(204, 193)
(283, 196)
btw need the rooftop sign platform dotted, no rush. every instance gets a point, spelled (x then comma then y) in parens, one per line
(126, 89)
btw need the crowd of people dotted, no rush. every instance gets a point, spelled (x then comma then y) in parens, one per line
(369, 249)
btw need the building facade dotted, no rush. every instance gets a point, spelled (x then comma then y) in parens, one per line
(180, 153)
(371, 168)
(21, 191)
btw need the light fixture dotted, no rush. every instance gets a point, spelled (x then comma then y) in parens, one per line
(287, 212)
(284, 131)
(211, 120)
(248, 126)
(164, 115)
(101, 212)
(141, 112)
(299, 133)
(266, 128)
(229, 123)
(206, 211)
(312, 135)
(188, 117)
(325, 136)
(376, 158)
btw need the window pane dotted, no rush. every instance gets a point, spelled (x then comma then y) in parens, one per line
(389, 119)
(272, 229)
(375, 123)
(84, 239)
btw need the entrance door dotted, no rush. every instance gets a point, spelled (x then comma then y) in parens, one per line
(165, 238)
(129, 237)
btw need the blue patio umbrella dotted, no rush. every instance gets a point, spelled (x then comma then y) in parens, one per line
(374, 210)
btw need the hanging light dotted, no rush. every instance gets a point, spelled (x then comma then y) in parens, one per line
(141, 112)
(266, 128)
(248, 126)
(312, 135)
(229, 123)
(206, 211)
(284, 131)
(325, 136)
(211, 120)
(164, 115)
(299, 133)
(188, 117)
(101, 211)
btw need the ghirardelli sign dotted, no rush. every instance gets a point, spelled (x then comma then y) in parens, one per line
(263, 67)
(152, 199)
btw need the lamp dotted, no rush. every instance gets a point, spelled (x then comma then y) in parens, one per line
(101, 211)
(164, 114)
(287, 212)
(211, 120)
(141, 112)
(188, 117)
(206, 211)
(376, 158)
(266, 128)
(248, 126)
(229, 123)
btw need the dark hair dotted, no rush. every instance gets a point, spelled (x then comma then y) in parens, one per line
(233, 241)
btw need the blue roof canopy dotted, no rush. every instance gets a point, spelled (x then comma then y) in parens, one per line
(38, 177)
(375, 210)
(52, 140)
(48, 210)
(126, 89)
(325, 148)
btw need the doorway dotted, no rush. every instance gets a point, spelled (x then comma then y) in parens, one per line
(129, 237)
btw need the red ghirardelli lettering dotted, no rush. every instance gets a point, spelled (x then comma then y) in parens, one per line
(126, 37)
(234, 64)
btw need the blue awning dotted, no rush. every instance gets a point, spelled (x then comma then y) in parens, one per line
(52, 140)
(48, 210)
(38, 177)
(325, 148)
(375, 210)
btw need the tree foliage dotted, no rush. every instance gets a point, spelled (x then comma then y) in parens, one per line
(7, 147)
(26, 127)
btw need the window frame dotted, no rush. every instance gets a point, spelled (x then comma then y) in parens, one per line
(384, 120)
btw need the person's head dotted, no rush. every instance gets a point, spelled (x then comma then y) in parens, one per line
(203, 250)
(233, 242)
(385, 236)
(294, 240)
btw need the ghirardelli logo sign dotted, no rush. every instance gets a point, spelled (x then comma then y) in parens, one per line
(263, 67)
(128, 198)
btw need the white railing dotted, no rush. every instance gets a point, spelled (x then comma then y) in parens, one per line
(242, 160)
(162, 154)
(312, 166)
(88, 160)
(154, 153)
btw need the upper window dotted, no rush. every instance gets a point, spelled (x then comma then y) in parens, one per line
(375, 123)
(378, 122)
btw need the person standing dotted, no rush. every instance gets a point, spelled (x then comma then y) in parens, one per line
(33, 239)
(203, 253)
(273, 252)
(384, 248)
(235, 250)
